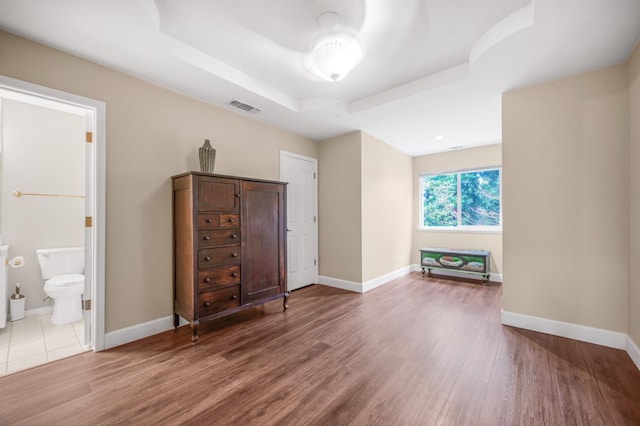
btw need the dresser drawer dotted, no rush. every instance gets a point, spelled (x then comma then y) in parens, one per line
(222, 276)
(218, 237)
(229, 221)
(211, 302)
(217, 221)
(208, 221)
(209, 258)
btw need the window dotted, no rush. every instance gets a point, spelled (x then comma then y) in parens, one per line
(464, 200)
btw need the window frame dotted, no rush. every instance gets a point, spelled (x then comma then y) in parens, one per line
(459, 227)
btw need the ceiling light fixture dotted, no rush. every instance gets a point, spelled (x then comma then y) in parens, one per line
(335, 54)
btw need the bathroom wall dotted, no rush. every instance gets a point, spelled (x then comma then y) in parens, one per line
(43, 151)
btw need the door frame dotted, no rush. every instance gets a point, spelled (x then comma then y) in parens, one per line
(315, 167)
(96, 190)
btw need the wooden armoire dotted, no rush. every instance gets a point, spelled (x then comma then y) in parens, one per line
(229, 245)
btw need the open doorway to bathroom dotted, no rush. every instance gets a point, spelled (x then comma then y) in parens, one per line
(51, 196)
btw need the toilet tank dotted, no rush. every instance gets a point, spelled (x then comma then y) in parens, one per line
(61, 261)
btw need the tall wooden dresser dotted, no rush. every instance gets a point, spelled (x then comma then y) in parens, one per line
(229, 236)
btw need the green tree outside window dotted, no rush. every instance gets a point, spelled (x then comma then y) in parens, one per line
(468, 199)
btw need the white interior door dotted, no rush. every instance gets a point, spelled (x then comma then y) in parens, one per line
(302, 214)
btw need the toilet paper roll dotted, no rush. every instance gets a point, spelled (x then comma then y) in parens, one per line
(16, 262)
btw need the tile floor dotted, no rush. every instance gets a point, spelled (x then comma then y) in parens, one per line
(34, 340)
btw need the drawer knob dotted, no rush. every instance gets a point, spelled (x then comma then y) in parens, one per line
(207, 304)
(208, 220)
(207, 280)
(231, 219)
(234, 254)
(207, 258)
(234, 297)
(207, 238)
(235, 274)
(234, 236)
(238, 194)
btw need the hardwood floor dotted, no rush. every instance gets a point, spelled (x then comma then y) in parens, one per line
(415, 351)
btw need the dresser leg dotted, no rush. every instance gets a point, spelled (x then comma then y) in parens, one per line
(285, 301)
(194, 331)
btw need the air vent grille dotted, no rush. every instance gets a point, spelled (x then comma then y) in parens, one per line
(243, 106)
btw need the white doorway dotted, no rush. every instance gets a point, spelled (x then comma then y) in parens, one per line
(302, 218)
(93, 115)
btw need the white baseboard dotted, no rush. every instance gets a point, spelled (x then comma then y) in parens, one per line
(138, 331)
(582, 333)
(633, 351)
(377, 282)
(366, 286)
(341, 284)
(494, 278)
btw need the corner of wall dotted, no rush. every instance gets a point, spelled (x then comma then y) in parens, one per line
(633, 82)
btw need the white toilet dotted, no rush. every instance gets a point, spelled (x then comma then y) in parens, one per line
(63, 268)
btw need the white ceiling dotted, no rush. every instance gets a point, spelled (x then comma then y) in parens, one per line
(432, 67)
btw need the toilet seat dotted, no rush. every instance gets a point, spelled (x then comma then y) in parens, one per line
(65, 280)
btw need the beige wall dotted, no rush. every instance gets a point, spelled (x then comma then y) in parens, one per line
(634, 195)
(365, 197)
(565, 198)
(485, 156)
(152, 134)
(43, 151)
(339, 204)
(387, 209)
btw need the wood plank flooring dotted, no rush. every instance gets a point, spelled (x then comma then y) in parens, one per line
(417, 351)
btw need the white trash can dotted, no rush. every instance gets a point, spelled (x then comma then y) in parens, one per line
(16, 307)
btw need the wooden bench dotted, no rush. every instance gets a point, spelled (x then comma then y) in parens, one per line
(467, 261)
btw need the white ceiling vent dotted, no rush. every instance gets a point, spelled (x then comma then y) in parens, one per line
(244, 107)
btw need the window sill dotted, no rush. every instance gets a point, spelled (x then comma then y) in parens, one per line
(461, 231)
